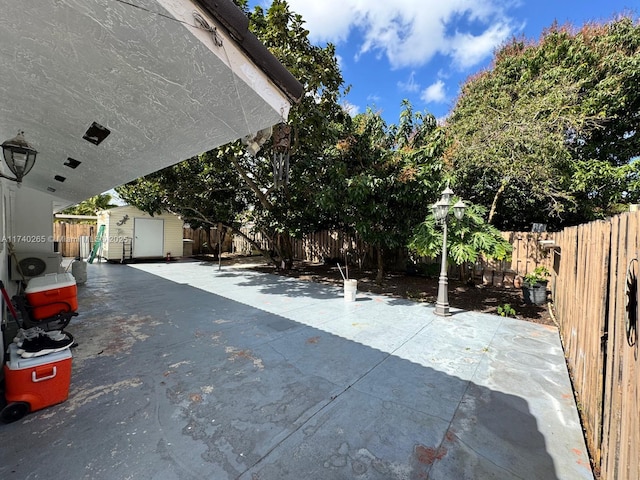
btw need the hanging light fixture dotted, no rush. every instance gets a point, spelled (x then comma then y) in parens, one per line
(20, 157)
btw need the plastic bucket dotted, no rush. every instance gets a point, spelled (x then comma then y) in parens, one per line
(536, 295)
(350, 290)
(79, 271)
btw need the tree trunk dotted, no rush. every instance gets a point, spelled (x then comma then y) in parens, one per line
(380, 274)
(287, 251)
(281, 244)
(496, 197)
(255, 244)
(252, 185)
(465, 276)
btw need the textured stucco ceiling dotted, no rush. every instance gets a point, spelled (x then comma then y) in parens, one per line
(160, 85)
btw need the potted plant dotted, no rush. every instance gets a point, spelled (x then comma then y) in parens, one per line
(534, 286)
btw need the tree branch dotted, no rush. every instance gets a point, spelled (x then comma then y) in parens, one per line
(264, 201)
(494, 204)
(199, 216)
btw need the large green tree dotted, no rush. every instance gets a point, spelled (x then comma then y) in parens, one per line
(222, 185)
(384, 178)
(547, 134)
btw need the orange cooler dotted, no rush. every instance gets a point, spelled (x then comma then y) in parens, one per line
(52, 294)
(39, 381)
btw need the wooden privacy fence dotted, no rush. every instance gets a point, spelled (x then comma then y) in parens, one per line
(67, 237)
(322, 246)
(529, 251)
(205, 240)
(315, 247)
(595, 300)
(331, 246)
(242, 246)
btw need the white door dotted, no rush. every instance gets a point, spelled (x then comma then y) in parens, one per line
(148, 237)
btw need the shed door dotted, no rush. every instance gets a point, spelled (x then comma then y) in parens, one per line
(148, 237)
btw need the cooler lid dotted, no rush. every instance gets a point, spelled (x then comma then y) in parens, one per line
(16, 362)
(50, 281)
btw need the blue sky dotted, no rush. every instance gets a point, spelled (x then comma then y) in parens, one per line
(423, 50)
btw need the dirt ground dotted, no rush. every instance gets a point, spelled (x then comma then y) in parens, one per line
(475, 297)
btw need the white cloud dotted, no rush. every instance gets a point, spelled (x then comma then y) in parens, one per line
(411, 32)
(350, 108)
(468, 50)
(410, 85)
(328, 20)
(434, 93)
(373, 98)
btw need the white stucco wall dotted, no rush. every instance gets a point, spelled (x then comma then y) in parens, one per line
(25, 223)
(30, 225)
(4, 212)
(4, 262)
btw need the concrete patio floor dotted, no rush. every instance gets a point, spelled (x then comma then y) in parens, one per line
(186, 372)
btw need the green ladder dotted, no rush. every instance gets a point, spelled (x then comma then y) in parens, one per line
(97, 244)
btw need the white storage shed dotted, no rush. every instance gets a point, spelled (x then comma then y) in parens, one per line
(129, 234)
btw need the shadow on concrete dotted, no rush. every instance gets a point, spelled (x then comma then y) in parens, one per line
(172, 382)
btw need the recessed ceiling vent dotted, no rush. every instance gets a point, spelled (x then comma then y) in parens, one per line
(96, 133)
(60, 178)
(72, 163)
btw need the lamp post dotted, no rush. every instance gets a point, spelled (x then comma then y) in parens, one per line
(441, 214)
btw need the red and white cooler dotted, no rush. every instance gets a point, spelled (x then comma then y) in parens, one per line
(38, 381)
(52, 294)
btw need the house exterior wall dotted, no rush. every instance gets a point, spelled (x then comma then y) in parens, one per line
(119, 223)
(5, 231)
(30, 224)
(4, 260)
(25, 225)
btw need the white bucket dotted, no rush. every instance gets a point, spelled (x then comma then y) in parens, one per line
(79, 271)
(350, 290)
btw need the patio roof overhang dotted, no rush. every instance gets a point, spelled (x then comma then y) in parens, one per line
(149, 71)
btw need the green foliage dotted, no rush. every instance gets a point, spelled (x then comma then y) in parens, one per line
(547, 134)
(383, 177)
(91, 206)
(467, 239)
(539, 275)
(506, 310)
(388, 170)
(228, 185)
(203, 190)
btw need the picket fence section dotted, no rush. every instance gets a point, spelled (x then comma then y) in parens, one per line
(579, 296)
(594, 296)
(621, 404)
